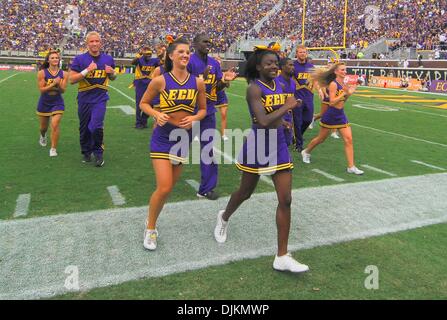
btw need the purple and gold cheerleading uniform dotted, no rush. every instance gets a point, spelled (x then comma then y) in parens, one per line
(176, 96)
(143, 76)
(197, 67)
(302, 117)
(51, 102)
(156, 101)
(92, 99)
(335, 118)
(222, 100)
(289, 90)
(259, 155)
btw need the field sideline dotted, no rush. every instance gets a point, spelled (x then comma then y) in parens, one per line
(392, 140)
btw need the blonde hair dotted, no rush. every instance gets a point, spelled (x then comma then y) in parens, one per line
(301, 46)
(325, 76)
(92, 33)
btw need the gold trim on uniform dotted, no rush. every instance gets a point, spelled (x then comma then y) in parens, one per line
(48, 114)
(180, 83)
(221, 105)
(336, 126)
(284, 166)
(268, 87)
(166, 156)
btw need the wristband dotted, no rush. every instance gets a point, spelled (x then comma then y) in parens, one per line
(84, 72)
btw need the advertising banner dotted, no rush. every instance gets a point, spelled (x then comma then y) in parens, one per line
(438, 86)
(396, 83)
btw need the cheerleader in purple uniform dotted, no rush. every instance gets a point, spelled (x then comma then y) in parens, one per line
(268, 104)
(334, 117)
(179, 93)
(52, 82)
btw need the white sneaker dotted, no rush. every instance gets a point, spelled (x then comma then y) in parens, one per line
(311, 125)
(355, 170)
(43, 141)
(150, 239)
(224, 138)
(220, 231)
(288, 263)
(306, 156)
(53, 152)
(335, 135)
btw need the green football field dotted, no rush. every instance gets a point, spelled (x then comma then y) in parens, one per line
(397, 134)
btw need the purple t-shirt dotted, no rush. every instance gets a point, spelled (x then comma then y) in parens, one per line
(93, 88)
(197, 67)
(144, 69)
(302, 77)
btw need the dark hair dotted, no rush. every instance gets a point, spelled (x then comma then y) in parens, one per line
(170, 49)
(251, 73)
(283, 62)
(199, 36)
(46, 63)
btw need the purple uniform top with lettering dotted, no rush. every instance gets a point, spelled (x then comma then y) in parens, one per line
(176, 96)
(335, 118)
(51, 102)
(144, 70)
(93, 88)
(302, 77)
(197, 67)
(260, 155)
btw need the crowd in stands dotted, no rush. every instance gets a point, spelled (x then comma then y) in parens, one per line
(31, 25)
(416, 23)
(126, 25)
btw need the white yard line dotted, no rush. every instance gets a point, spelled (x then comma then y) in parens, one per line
(128, 110)
(22, 205)
(327, 175)
(194, 184)
(122, 93)
(378, 170)
(428, 165)
(117, 198)
(3, 80)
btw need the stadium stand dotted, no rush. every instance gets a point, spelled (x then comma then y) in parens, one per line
(35, 25)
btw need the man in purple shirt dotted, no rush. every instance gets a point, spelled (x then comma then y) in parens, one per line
(203, 66)
(302, 117)
(92, 71)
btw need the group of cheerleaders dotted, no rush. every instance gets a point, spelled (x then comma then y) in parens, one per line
(184, 102)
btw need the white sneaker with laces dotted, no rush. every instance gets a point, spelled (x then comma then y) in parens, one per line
(53, 152)
(43, 141)
(150, 239)
(306, 156)
(288, 263)
(311, 125)
(224, 138)
(335, 135)
(220, 231)
(355, 170)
